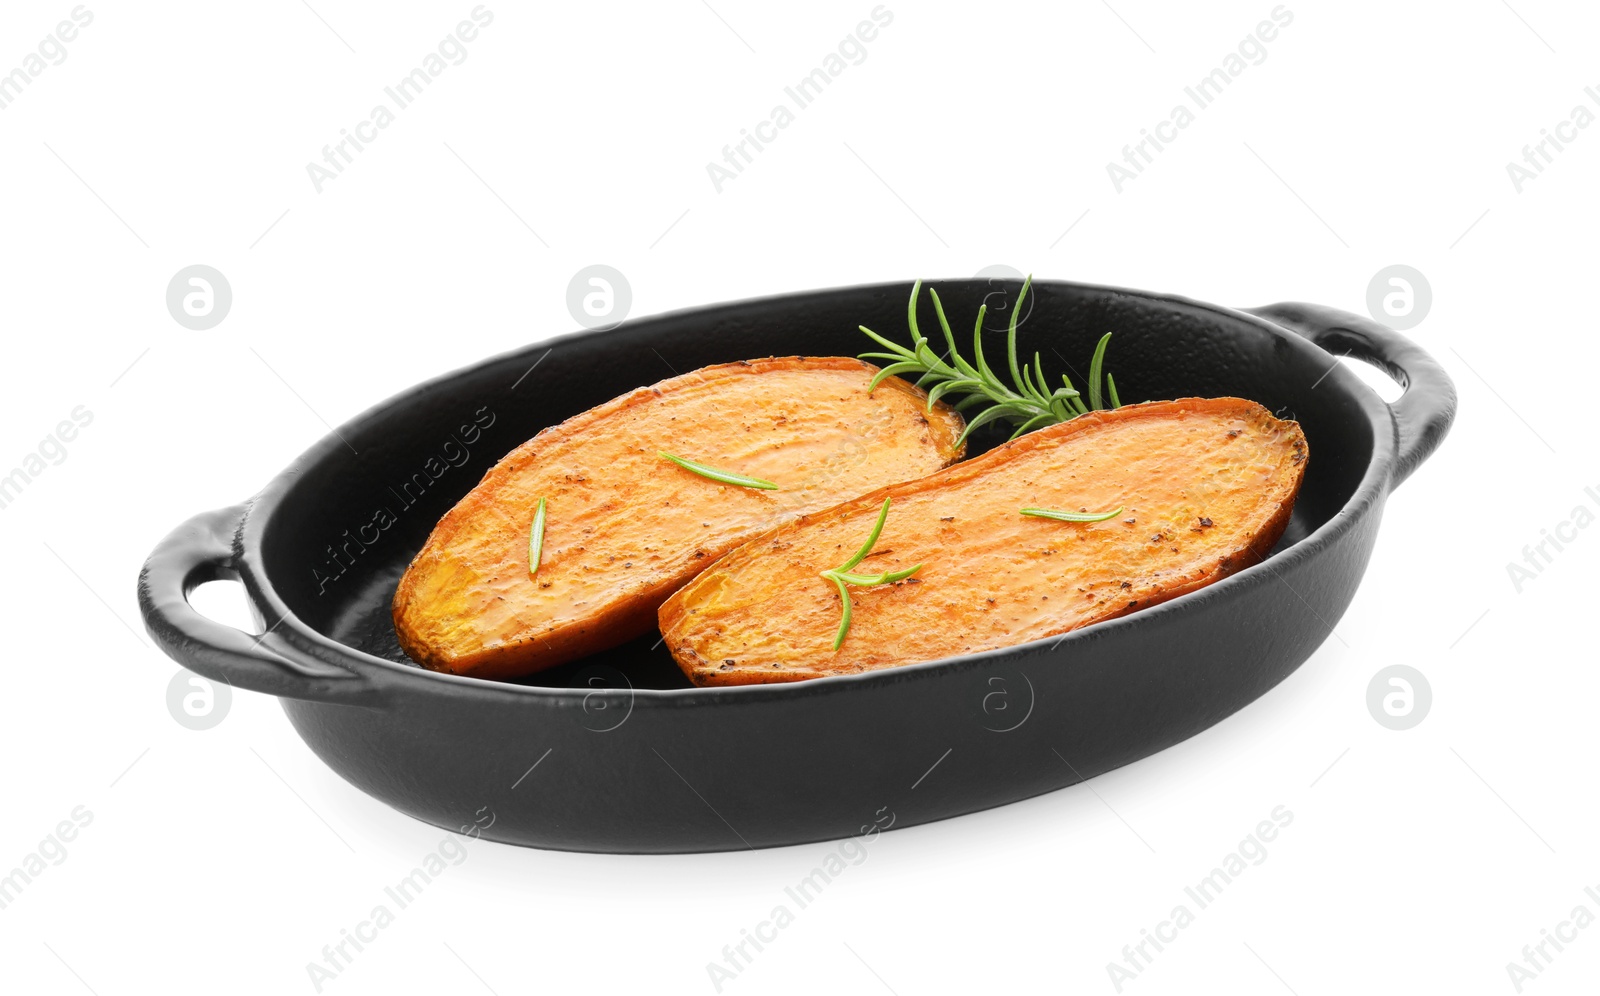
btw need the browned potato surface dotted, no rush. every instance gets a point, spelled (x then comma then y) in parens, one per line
(1205, 485)
(625, 527)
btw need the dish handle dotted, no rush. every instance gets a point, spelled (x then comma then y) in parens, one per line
(1422, 415)
(202, 550)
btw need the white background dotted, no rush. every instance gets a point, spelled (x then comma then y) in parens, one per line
(972, 135)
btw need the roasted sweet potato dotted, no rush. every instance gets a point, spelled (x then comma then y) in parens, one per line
(625, 527)
(1205, 487)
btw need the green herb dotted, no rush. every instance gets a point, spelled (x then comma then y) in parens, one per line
(842, 576)
(536, 539)
(726, 477)
(1050, 513)
(1028, 402)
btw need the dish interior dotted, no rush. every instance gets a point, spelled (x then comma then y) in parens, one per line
(347, 525)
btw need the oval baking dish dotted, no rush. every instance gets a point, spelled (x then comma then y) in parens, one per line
(616, 753)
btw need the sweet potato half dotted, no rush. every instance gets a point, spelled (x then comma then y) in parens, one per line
(1205, 486)
(624, 527)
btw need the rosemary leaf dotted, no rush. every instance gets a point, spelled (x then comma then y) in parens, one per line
(1043, 418)
(723, 476)
(983, 418)
(1075, 397)
(872, 538)
(1050, 513)
(966, 369)
(899, 351)
(1095, 365)
(536, 540)
(844, 601)
(841, 576)
(1011, 339)
(1026, 401)
(887, 577)
(904, 366)
(942, 388)
(911, 311)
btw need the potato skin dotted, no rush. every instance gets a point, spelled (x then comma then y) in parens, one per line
(1206, 485)
(625, 528)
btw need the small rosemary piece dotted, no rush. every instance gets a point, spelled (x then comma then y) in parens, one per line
(842, 576)
(724, 476)
(536, 540)
(1050, 513)
(1028, 402)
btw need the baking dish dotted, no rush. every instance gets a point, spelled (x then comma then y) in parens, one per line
(616, 753)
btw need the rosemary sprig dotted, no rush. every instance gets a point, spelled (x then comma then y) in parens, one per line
(724, 476)
(1050, 513)
(536, 540)
(1028, 402)
(842, 575)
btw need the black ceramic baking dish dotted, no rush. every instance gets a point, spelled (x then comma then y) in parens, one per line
(617, 753)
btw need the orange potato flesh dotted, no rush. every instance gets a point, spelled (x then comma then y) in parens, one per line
(1206, 487)
(625, 527)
